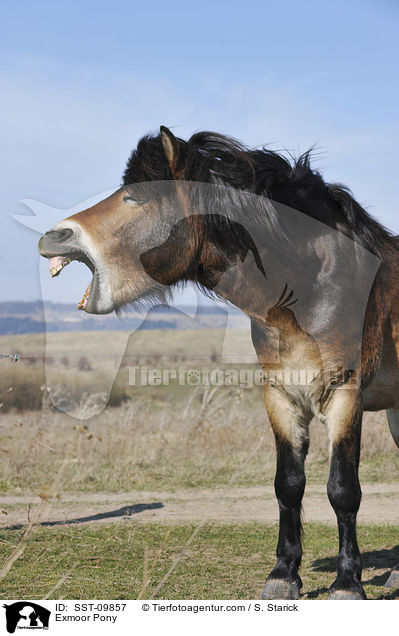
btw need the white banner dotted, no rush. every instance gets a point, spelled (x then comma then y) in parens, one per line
(193, 617)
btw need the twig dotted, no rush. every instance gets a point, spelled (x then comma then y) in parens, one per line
(20, 548)
(60, 582)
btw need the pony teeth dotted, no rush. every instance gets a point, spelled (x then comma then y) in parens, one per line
(82, 303)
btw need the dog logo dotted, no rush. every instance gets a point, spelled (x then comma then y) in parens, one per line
(26, 615)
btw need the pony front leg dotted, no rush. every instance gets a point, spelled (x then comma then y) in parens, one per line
(291, 432)
(344, 418)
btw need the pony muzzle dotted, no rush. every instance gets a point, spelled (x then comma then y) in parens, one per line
(66, 244)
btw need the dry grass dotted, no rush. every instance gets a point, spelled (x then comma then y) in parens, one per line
(162, 437)
(166, 442)
(23, 384)
(74, 363)
(100, 344)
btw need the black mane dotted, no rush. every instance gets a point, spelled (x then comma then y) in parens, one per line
(209, 157)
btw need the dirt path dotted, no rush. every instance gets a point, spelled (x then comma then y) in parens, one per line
(234, 505)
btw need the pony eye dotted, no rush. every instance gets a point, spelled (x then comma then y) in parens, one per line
(133, 200)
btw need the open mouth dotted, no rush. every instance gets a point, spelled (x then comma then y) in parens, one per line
(58, 263)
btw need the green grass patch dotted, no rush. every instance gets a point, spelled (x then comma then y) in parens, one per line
(126, 560)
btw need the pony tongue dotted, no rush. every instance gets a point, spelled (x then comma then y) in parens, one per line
(82, 303)
(57, 263)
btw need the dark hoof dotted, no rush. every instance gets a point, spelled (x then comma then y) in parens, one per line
(346, 595)
(393, 580)
(278, 589)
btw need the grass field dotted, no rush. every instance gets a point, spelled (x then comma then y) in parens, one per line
(164, 442)
(128, 561)
(162, 438)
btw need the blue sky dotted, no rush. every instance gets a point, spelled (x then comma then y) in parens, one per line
(80, 82)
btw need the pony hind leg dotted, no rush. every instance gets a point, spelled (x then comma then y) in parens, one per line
(292, 440)
(393, 579)
(393, 421)
(343, 417)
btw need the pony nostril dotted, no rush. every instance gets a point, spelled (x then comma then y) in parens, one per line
(59, 236)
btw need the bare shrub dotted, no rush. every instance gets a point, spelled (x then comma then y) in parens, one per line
(83, 364)
(28, 381)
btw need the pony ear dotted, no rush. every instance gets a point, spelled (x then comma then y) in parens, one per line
(170, 147)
